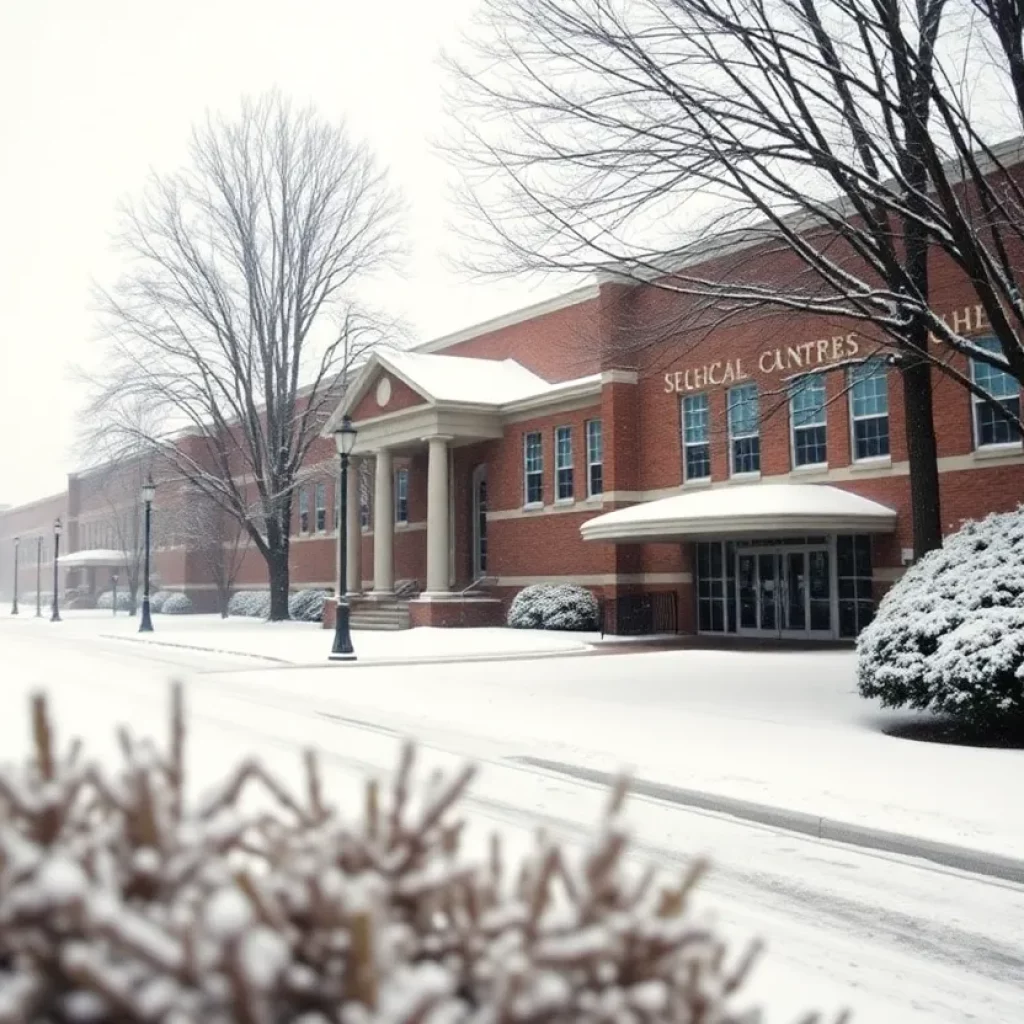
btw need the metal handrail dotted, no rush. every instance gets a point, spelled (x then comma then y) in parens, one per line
(480, 581)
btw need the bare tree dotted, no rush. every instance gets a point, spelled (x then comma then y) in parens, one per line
(118, 485)
(697, 145)
(212, 538)
(237, 318)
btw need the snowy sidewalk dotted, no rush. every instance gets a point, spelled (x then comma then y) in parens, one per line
(305, 643)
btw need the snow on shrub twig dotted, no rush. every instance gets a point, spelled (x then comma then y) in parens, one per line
(120, 901)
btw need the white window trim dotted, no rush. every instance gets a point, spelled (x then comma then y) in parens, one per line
(867, 460)
(806, 467)
(571, 500)
(978, 447)
(591, 461)
(527, 504)
(687, 479)
(751, 474)
(401, 474)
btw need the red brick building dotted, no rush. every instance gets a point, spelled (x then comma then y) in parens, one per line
(735, 470)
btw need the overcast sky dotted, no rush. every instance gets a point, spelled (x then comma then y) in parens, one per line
(94, 94)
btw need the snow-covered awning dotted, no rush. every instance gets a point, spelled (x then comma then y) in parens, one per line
(93, 558)
(763, 509)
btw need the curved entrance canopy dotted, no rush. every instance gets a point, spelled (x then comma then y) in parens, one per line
(95, 558)
(750, 510)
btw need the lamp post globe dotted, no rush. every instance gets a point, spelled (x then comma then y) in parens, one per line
(342, 649)
(148, 494)
(57, 529)
(14, 606)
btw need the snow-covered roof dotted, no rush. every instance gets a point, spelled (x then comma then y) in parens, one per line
(746, 510)
(463, 379)
(94, 557)
(501, 385)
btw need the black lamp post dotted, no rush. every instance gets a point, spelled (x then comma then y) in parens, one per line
(345, 439)
(148, 493)
(113, 583)
(14, 607)
(39, 577)
(55, 617)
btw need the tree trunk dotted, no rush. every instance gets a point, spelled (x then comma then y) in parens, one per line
(277, 573)
(922, 456)
(223, 596)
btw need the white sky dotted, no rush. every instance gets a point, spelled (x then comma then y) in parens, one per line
(94, 94)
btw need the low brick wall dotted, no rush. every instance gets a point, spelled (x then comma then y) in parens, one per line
(467, 612)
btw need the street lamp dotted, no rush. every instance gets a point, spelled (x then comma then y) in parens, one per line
(345, 439)
(39, 576)
(148, 494)
(55, 617)
(14, 607)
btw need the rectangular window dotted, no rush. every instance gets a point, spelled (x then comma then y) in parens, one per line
(696, 445)
(366, 472)
(990, 429)
(533, 468)
(744, 429)
(856, 598)
(563, 463)
(321, 508)
(807, 401)
(402, 496)
(595, 459)
(304, 510)
(716, 586)
(337, 503)
(869, 410)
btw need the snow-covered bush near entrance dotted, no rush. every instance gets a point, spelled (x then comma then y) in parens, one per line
(949, 636)
(250, 604)
(121, 899)
(307, 605)
(106, 600)
(157, 601)
(177, 604)
(554, 606)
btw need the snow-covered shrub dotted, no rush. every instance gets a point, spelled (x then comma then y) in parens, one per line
(106, 600)
(554, 606)
(159, 599)
(177, 604)
(252, 604)
(120, 899)
(307, 605)
(949, 635)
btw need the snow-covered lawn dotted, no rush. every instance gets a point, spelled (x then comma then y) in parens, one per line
(304, 643)
(898, 942)
(784, 729)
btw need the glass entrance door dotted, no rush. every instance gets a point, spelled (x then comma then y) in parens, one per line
(784, 592)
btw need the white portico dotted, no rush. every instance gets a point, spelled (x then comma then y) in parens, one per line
(407, 404)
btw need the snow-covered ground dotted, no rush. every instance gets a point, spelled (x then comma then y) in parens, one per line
(305, 643)
(899, 941)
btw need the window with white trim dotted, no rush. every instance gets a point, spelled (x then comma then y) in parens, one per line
(563, 464)
(304, 510)
(869, 410)
(807, 402)
(595, 459)
(696, 443)
(744, 429)
(321, 507)
(533, 468)
(402, 496)
(337, 503)
(991, 429)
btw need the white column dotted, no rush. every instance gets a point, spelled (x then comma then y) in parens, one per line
(353, 530)
(384, 525)
(437, 516)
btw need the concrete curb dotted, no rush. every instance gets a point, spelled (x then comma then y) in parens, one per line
(426, 659)
(963, 858)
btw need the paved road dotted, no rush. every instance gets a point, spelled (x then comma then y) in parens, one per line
(899, 940)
